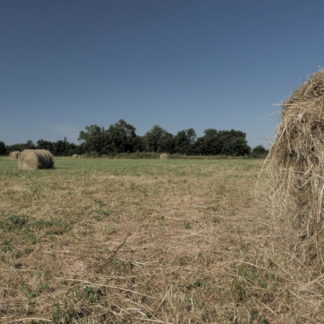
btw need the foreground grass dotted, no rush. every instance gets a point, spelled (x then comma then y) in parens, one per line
(132, 241)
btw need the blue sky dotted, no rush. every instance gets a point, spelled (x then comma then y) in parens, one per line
(66, 64)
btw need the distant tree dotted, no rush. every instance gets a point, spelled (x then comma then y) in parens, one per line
(45, 145)
(3, 149)
(59, 148)
(199, 146)
(224, 142)
(184, 140)
(30, 144)
(209, 143)
(152, 138)
(140, 144)
(236, 146)
(94, 139)
(166, 143)
(121, 137)
(234, 143)
(80, 149)
(159, 140)
(259, 151)
(73, 149)
(21, 146)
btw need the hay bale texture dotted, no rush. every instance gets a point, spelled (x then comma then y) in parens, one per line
(35, 159)
(296, 172)
(14, 155)
(164, 156)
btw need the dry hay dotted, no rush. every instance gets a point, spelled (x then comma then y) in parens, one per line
(35, 159)
(295, 167)
(14, 155)
(164, 156)
(76, 156)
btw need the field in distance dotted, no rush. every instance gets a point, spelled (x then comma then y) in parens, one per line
(132, 241)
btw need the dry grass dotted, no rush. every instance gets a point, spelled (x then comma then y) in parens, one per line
(128, 241)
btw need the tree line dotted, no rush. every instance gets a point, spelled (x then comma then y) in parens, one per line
(121, 137)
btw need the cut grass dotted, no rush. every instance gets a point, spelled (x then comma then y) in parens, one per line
(130, 241)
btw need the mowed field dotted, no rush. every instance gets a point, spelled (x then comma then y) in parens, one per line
(142, 241)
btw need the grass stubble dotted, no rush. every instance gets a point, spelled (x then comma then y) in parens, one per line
(145, 241)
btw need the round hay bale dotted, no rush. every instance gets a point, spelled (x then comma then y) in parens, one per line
(14, 155)
(35, 159)
(75, 156)
(295, 168)
(164, 156)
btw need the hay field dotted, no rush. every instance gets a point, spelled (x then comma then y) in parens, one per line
(145, 241)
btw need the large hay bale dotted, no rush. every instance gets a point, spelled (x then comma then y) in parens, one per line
(295, 168)
(75, 156)
(164, 156)
(14, 155)
(35, 159)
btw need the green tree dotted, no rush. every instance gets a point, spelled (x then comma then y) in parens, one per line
(233, 143)
(45, 145)
(3, 149)
(94, 139)
(30, 144)
(158, 139)
(140, 144)
(224, 142)
(121, 137)
(184, 141)
(209, 144)
(21, 146)
(59, 148)
(259, 151)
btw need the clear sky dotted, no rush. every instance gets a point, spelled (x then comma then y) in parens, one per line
(66, 64)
